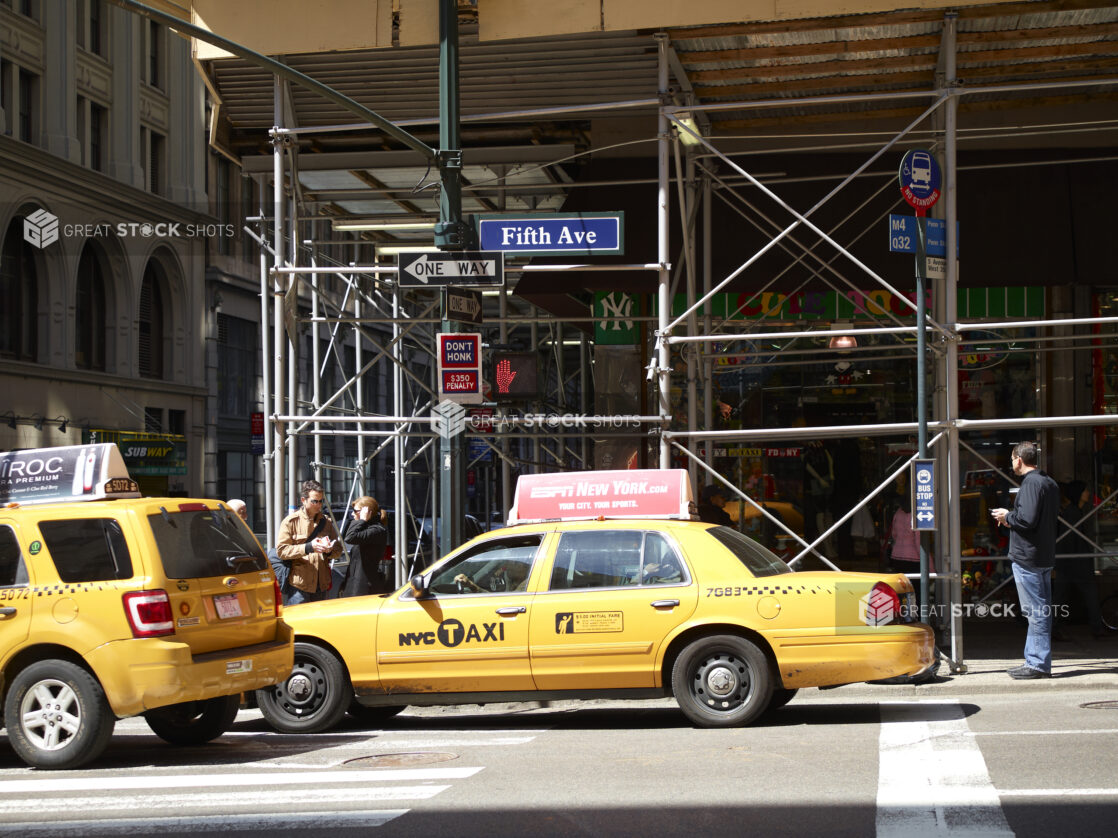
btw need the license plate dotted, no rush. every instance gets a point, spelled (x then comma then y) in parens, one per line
(227, 605)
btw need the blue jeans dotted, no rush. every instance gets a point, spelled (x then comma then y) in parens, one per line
(306, 596)
(1034, 589)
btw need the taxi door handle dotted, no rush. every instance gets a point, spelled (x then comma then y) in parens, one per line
(7, 611)
(511, 609)
(665, 603)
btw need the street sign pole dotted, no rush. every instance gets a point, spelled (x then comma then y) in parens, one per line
(449, 236)
(921, 388)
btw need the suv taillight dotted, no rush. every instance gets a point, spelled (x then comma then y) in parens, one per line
(278, 594)
(149, 613)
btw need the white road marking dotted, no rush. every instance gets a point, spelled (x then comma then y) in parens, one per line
(314, 779)
(932, 777)
(210, 823)
(1083, 732)
(273, 800)
(1059, 792)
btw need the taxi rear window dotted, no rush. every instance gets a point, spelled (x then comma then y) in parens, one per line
(199, 543)
(757, 559)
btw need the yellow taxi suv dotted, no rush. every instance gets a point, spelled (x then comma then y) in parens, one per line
(603, 586)
(115, 605)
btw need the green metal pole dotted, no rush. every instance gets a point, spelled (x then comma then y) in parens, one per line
(449, 236)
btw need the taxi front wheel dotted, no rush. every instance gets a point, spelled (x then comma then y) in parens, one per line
(722, 681)
(57, 715)
(313, 698)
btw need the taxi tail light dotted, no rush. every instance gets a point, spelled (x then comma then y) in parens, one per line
(882, 589)
(278, 597)
(149, 613)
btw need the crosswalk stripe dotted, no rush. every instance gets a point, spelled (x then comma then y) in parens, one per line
(932, 777)
(176, 781)
(260, 799)
(208, 823)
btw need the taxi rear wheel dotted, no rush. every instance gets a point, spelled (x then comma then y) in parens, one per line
(194, 722)
(313, 698)
(372, 715)
(722, 681)
(779, 698)
(57, 715)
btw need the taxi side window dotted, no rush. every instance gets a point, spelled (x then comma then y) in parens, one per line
(12, 569)
(87, 549)
(493, 567)
(614, 559)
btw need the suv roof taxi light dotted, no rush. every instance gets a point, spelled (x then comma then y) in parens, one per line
(149, 613)
(65, 473)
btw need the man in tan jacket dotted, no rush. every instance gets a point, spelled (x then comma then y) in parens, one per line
(308, 542)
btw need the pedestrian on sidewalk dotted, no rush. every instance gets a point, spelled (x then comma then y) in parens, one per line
(1032, 550)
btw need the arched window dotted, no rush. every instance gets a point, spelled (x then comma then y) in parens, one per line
(151, 323)
(19, 291)
(89, 312)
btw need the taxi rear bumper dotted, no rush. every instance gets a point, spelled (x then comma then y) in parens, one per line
(850, 658)
(145, 673)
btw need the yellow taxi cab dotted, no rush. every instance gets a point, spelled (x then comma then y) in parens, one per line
(115, 605)
(602, 586)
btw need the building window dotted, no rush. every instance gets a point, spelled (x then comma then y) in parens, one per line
(92, 129)
(154, 157)
(151, 321)
(153, 420)
(176, 422)
(223, 204)
(19, 283)
(89, 312)
(6, 94)
(90, 26)
(24, 7)
(27, 118)
(236, 366)
(154, 44)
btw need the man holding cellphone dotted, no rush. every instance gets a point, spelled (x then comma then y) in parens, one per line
(1032, 549)
(308, 542)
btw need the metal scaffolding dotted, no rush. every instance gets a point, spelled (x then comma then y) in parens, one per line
(356, 314)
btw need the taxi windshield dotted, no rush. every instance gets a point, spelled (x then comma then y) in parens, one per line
(199, 543)
(757, 559)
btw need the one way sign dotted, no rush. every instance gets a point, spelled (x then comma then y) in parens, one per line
(437, 268)
(463, 304)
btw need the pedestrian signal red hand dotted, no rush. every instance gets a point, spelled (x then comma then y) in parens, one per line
(505, 375)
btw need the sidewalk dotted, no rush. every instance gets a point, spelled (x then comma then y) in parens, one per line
(990, 647)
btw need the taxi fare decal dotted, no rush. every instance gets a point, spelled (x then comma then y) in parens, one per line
(452, 633)
(587, 622)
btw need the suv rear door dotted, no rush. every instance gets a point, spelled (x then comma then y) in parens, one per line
(219, 581)
(15, 599)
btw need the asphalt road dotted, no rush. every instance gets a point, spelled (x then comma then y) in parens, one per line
(1021, 760)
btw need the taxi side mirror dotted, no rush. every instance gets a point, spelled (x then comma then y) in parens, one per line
(417, 586)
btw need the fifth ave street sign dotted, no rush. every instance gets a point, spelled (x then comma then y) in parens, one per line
(437, 268)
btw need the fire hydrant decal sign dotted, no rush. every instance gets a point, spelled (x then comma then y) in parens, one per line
(460, 367)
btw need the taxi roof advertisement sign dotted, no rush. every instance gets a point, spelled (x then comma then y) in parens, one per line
(586, 495)
(74, 472)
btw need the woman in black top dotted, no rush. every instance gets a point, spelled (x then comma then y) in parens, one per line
(367, 537)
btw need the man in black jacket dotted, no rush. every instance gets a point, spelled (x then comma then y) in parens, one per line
(1032, 549)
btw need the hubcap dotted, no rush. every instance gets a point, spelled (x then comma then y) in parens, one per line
(721, 681)
(50, 714)
(299, 687)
